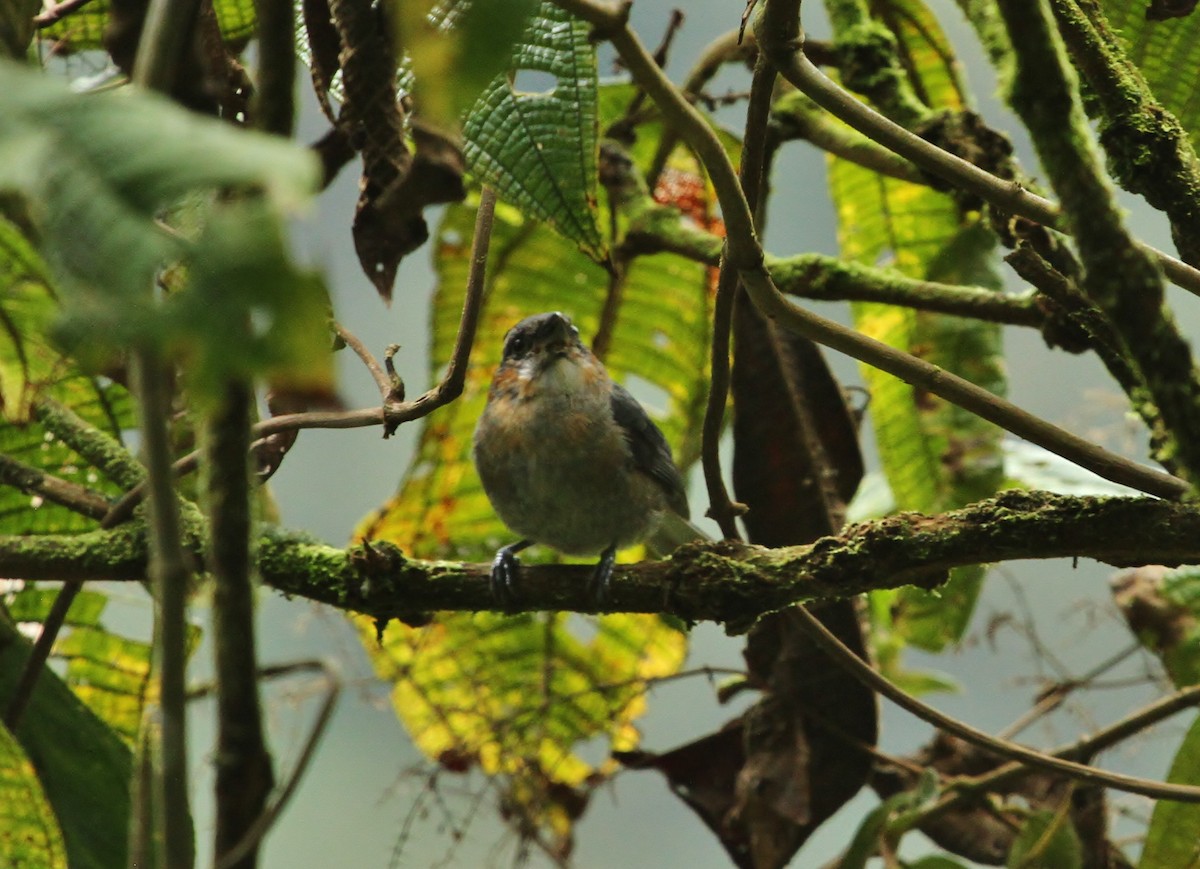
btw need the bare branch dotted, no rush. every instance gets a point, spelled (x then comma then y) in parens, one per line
(865, 673)
(382, 380)
(33, 480)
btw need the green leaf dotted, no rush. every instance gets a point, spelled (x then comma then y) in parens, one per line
(1173, 837)
(515, 695)
(247, 310)
(935, 861)
(98, 170)
(1168, 55)
(1046, 841)
(106, 406)
(928, 53)
(458, 48)
(108, 672)
(83, 766)
(27, 308)
(1162, 607)
(890, 819)
(538, 150)
(935, 455)
(29, 834)
(83, 30)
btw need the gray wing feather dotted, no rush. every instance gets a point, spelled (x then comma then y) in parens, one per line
(651, 454)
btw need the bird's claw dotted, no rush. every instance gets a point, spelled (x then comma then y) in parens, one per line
(600, 584)
(505, 569)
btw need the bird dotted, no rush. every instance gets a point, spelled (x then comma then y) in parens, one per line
(568, 458)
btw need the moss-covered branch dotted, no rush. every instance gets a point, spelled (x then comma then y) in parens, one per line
(655, 228)
(1119, 276)
(1149, 151)
(727, 582)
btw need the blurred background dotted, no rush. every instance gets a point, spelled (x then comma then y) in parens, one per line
(370, 800)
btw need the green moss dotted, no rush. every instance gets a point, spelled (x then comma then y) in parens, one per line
(869, 64)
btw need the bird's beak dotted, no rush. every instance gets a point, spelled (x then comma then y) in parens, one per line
(554, 336)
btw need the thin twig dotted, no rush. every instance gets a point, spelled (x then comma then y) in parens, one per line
(451, 385)
(31, 480)
(57, 13)
(169, 573)
(721, 507)
(40, 653)
(865, 674)
(726, 48)
(283, 795)
(796, 116)
(243, 774)
(1133, 724)
(611, 310)
(368, 358)
(165, 32)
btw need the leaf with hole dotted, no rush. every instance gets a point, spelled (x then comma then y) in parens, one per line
(537, 147)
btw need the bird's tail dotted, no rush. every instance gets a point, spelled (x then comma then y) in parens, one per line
(672, 532)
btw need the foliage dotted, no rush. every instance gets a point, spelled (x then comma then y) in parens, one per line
(132, 229)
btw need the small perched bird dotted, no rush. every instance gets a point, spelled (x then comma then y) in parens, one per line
(569, 458)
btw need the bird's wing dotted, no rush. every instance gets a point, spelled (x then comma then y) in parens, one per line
(651, 455)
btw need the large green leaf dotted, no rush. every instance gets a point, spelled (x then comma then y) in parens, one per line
(935, 456)
(29, 834)
(1173, 837)
(515, 696)
(83, 30)
(457, 48)
(539, 149)
(82, 765)
(1167, 53)
(110, 673)
(99, 170)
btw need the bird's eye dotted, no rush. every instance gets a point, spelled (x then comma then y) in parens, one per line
(575, 333)
(517, 345)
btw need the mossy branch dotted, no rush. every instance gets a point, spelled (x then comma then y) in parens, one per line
(1119, 276)
(1149, 151)
(724, 582)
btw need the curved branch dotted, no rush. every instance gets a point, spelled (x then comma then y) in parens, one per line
(876, 681)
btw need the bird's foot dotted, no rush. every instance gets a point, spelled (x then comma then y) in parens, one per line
(599, 586)
(506, 567)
